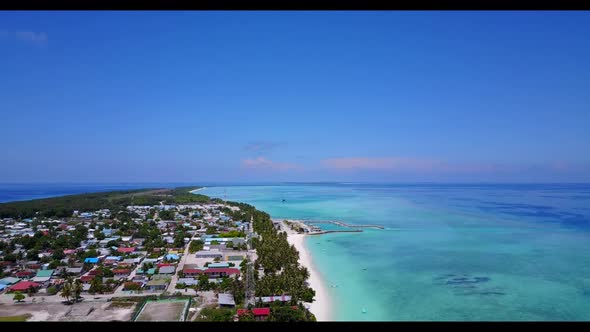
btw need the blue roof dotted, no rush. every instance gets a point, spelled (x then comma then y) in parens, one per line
(114, 257)
(172, 257)
(92, 260)
(2, 286)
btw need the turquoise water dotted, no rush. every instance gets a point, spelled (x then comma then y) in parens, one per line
(448, 252)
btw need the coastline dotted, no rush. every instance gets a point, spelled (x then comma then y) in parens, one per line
(195, 190)
(321, 307)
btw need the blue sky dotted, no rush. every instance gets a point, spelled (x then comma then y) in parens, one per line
(294, 96)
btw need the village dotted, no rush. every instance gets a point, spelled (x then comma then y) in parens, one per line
(196, 254)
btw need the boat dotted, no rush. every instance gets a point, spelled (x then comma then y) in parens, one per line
(364, 311)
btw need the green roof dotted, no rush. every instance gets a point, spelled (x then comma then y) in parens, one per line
(151, 271)
(44, 273)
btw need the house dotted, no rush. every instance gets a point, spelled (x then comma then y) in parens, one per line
(25, 274)
(221, 264)
(167, 269)
(221, 272)
(131, 261)
(24, 286)
(172, 257)
(226, 300)
(43, 276)
(121, 272)
(259, 313)
(188, 281)
(156, 285)
(69, 251)
(2, 287)
(86, 279)
(126, 250)
(73, 270)
(9, 281)
(91, 260)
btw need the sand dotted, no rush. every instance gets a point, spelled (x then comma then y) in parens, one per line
(321, 306)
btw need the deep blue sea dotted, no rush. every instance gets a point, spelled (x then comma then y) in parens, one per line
(448, 252)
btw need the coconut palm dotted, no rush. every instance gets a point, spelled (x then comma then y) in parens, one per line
(77, 288)
(66, 291)
(95, 285)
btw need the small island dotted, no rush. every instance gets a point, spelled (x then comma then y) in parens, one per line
(153, 254)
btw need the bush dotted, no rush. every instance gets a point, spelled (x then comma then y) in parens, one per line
(51, 290)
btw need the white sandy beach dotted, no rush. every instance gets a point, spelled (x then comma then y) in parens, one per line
(321, 306)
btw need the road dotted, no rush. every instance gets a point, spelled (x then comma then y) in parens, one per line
(172, 286)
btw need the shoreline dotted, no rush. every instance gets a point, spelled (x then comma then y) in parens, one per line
(195, 190)
(321, 307)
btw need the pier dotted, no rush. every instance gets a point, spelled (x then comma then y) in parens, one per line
(339, 223)
(315, 230)
(335, 231)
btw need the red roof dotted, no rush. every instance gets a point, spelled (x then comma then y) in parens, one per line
(126, 250)
(227, 270)
(69, 251)
(7, 263)
(192, 271)
(242, 311)
(159, 265)
(261, 311)
(86, 278)
(121, 271)
(24, 273)
(24, 285)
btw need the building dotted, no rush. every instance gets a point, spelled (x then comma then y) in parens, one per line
(43, 276)
(156, 285)
(24, 286)
(221, 272)
(188, 281)
(91, 260)
(272, 299)
(209, 254)
(226, 300)
(9, 281)
(259, 313)
(167, 269)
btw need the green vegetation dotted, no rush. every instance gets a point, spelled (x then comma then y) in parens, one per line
(279, 259)
(64, 206)
(19, 318)
(288, 314)
(18, 297)
(232, 234)
(195, 246)
(216, 315)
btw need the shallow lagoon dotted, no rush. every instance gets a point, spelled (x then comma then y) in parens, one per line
(449, 252)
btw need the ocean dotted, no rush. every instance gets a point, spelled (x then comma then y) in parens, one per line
(448, 252)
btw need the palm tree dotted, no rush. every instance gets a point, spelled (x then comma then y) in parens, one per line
(77, 289)
(66, 291)
(95, 285)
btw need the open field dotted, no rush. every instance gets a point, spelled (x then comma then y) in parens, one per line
(162, 311)
(89, 311)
